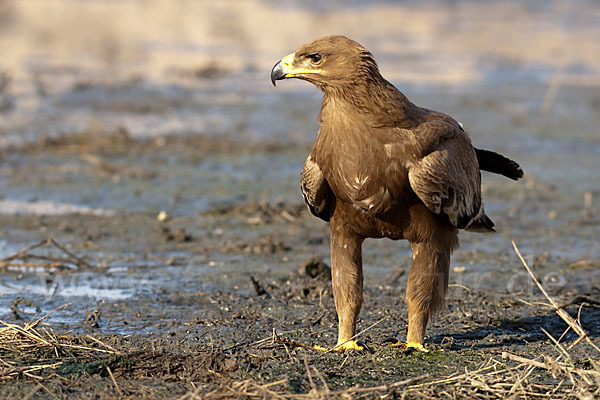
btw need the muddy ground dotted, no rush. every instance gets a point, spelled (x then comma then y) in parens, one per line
(166, 165)
(197, 302)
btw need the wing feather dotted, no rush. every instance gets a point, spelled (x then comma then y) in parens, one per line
(315, 189)
(448, 181)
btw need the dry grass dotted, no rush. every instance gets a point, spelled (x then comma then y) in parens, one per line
(35, 340)
(494, 379)
(34, 351)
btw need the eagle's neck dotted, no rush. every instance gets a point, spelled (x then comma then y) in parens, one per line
(374, 101)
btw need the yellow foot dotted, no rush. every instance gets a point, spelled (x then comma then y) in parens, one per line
(416, 346)
(412, 345)
(349, 345)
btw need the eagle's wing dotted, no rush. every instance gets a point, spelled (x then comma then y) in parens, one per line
(315, 189)
(448, 181)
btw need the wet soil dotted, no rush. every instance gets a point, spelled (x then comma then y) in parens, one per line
(171, 167)
(240, 290)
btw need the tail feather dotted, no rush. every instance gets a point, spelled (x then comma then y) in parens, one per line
(498, 164)
(481, 225)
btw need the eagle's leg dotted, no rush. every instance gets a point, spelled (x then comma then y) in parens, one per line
(428, 282)
(347, 280)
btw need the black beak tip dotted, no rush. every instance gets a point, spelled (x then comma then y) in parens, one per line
(277, 73)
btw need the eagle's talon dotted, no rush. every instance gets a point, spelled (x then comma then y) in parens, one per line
(349, 345)
(390, 340)
(411, 346)
(346, 346)
(319, 348)
(416, 346)
(365, 347)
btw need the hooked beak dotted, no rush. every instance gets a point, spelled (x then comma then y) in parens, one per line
(284, 69)
(277, 73)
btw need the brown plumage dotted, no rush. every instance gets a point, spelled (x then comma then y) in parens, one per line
(384, 167)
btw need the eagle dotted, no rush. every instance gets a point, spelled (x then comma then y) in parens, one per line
(383, 167)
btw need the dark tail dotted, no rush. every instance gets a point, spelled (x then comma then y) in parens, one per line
(498, 164)
(482, 225)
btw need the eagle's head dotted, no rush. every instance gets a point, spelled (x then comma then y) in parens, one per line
(328, 62)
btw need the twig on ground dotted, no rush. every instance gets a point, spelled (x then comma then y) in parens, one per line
(561, 313)
(581, 300)
(357, 335)
(549, 365)
(71, 261)
(114, 381)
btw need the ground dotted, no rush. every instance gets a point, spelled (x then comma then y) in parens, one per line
(199, 325)
(183, 262)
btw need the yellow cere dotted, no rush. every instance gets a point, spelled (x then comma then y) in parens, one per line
(292, 72)
(287, 61)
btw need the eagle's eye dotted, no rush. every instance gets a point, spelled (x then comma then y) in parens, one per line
(315, 58)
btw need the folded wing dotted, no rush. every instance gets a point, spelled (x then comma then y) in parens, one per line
(315, 190)
(448, 182)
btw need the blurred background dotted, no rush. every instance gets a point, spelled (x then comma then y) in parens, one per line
(114, 109)
(160, 67)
